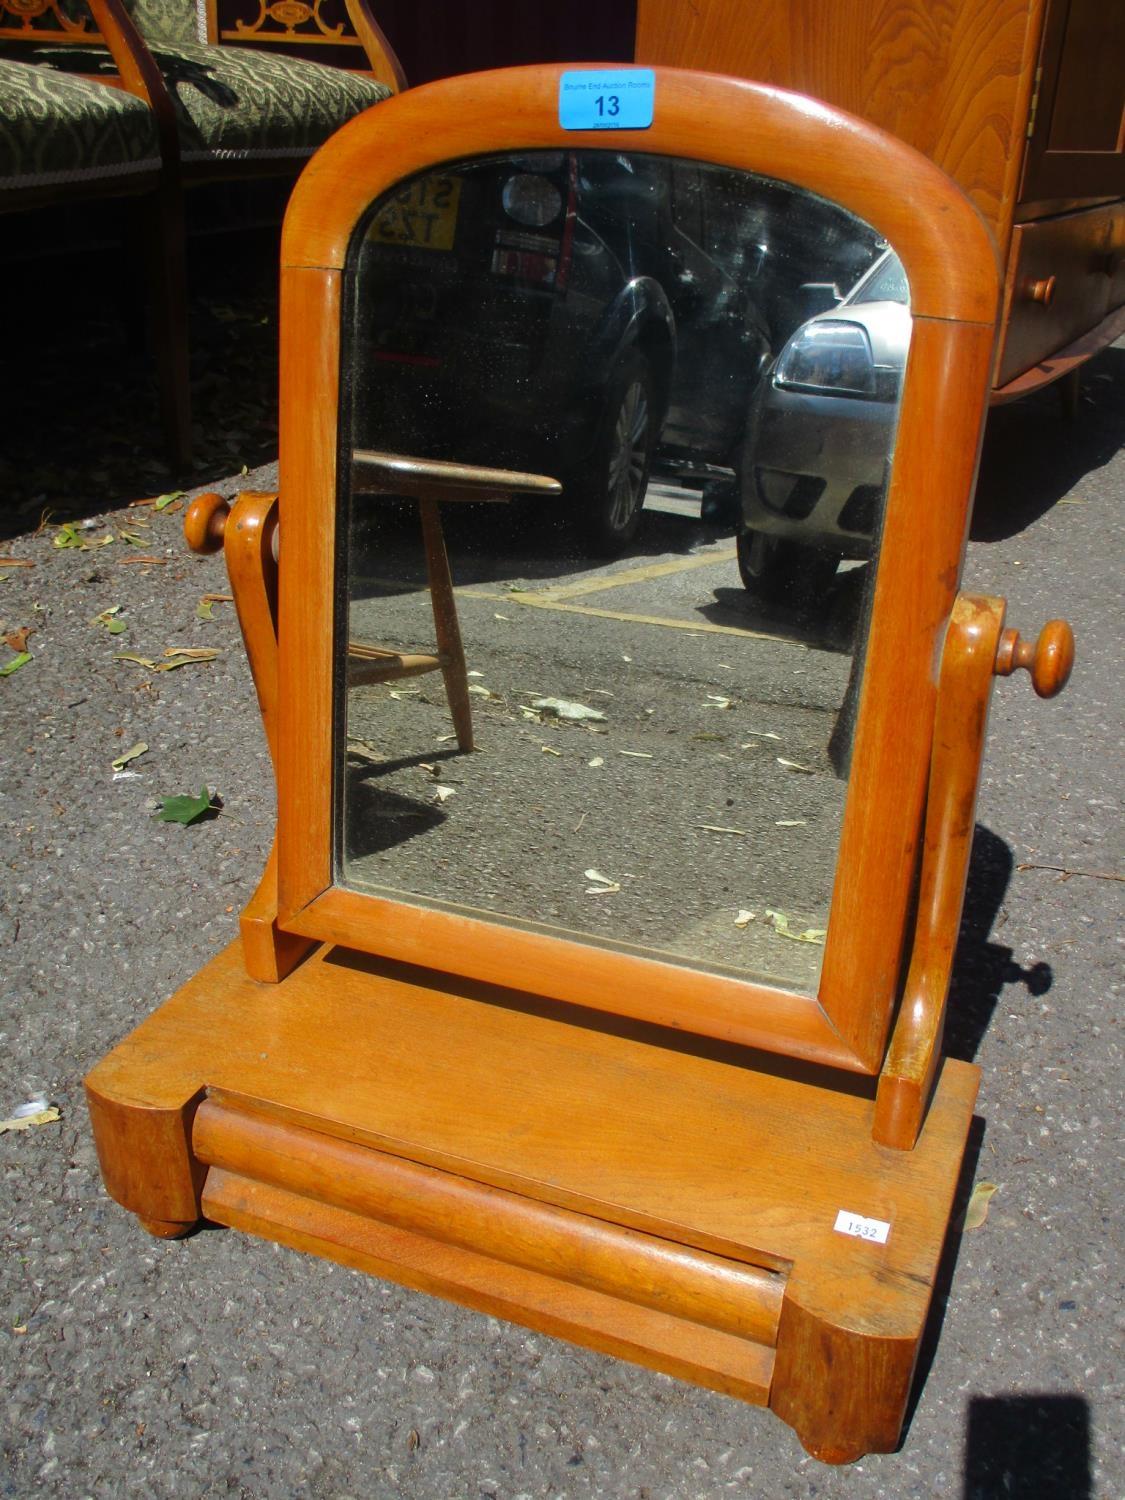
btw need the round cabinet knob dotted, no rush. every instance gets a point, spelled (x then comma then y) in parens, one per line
(205, 522)
(1049, 659)
(1042, 292)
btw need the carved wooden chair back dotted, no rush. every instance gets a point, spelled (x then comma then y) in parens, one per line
(344, 33)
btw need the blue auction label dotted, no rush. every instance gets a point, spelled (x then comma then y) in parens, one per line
(607, 99)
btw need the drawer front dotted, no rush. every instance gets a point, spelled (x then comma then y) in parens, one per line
(1064, 276)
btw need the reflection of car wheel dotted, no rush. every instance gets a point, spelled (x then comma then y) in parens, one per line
(611, 488)
(719, 505)
(777, 571)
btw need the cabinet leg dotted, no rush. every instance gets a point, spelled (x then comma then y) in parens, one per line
(1069, 388)
(843, 1391)
(166, 1229)
(144, 1150)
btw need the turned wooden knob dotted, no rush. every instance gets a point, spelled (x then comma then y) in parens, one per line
(205, 522)
(1042, 292)
(1049, 659)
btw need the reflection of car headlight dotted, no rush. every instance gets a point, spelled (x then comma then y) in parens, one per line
(832, 356)
(531, 200)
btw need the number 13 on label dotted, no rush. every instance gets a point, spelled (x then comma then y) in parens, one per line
(607, 98)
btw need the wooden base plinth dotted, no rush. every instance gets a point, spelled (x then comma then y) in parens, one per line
(664, 1200)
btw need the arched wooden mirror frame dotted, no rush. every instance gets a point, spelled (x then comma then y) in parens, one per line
(952, 270)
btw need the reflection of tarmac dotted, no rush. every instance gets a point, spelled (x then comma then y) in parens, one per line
(702, 792)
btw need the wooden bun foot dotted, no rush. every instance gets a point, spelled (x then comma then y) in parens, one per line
(166, 1229)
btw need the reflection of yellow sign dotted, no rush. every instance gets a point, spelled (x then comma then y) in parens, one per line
(423, 214)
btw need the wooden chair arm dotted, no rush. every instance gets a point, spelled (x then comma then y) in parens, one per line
(380, 54)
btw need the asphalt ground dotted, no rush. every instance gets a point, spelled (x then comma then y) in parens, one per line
(226, 1366)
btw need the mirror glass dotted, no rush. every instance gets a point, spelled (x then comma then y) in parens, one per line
(663, 647)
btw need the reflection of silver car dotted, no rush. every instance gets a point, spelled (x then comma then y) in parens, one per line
(819, 438)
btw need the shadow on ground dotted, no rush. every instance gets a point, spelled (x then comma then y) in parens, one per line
(982, 966)
(1028, 1448)
(1034, 454)
(81, 409)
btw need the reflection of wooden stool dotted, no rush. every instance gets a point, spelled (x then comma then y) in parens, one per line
(430, 481)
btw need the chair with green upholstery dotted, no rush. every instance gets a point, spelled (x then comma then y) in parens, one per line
(215, 110)
(65, 138)
(239, 110)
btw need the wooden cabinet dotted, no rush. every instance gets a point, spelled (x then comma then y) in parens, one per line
(1076, 137)
(1022, 102)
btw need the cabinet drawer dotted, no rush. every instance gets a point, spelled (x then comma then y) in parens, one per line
(1064, 275)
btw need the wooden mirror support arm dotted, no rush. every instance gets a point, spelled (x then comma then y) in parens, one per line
(247, 532)
(977, 647)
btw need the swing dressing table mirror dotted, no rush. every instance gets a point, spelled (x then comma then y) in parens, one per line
(499, 1025)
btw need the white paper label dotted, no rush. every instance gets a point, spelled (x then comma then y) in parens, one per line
(860, 1228)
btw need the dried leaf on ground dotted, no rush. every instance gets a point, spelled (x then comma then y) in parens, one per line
(780, 924)
(715, 700)
(17, 639)
(564, 708)
(108, 619)
(792, 765)
(605, 886)
(185, 809)
(69, 535)
(443, 793)
(133, 753)
(977, 1210)
(744, 918)
(637, 754)
(16, 562)
(139, 661)
(759, 734)
(363, 750)
(1066, 872)
(162, 502)
(717, 828)
(205, 610)
(548, 750)
(15, 664)
(20, 1121)
(184, 656)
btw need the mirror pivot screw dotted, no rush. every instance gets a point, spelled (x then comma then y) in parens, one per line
(205, 522)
